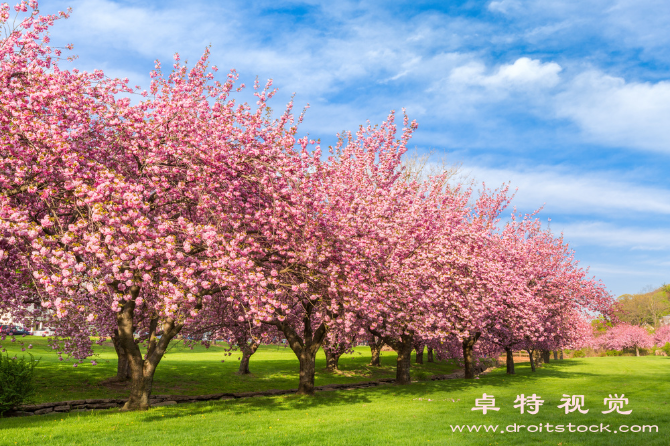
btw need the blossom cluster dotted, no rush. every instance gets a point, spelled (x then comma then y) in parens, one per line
(190, 213)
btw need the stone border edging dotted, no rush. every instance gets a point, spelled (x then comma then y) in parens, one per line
(169, 400)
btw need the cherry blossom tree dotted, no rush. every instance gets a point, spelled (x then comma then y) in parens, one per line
(561, 294)
(662, 335)
(335, 346)
(376, 344)
(225, 320)
(476, 284)
(188, 213)
(133, 214)
(419, 347)
(314, 262)
(401, 225)
(623, 336)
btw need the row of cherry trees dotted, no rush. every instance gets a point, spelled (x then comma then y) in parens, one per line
(621, 336)
(625, 335)
(187, 213)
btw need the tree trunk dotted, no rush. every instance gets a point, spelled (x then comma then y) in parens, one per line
(307, 369)
(375, 351)
(555, 355)
(404, 364)
(468, 360)
(419, 355)
(333, 353)
(561, 355)
(546, 356)
(123, 368)
(376, 344)
(304, 347)
(142, 369)
(248, 349)
(141, 382)
(637, 351)
(510, 361)
(403, 346)
(122, 365)
(532, 360)
(332, 359)
(244, 365)
(431, 357)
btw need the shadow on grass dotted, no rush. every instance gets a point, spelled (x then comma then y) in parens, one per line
(330, 398)
(202, 378)
(565, 369)
(200, 371)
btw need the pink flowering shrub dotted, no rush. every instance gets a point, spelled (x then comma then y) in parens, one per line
(625, 336)
(190, 214)
(662, 335)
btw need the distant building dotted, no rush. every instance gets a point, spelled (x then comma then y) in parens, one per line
(38, 328)
(664, 320)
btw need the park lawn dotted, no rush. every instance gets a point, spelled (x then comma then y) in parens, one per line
(199, 371)
(421, 413)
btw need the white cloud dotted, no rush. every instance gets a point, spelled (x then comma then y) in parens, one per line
(546, 31)
(629, 277)
(527, 71)
(616, 270)
(568, 193)
(429, 60)
(607, 234)
(524, 73)
(619, 113)
(149, 31)
(350, 45)
(465, 89)
(504, 6)
(639, 25)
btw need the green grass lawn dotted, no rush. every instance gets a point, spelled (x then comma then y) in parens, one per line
(200, 371)
(421, 413)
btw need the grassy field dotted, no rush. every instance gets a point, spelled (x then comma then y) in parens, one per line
(200, 371)
(422, 413)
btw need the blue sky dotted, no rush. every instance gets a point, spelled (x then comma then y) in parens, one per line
(567, 100)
